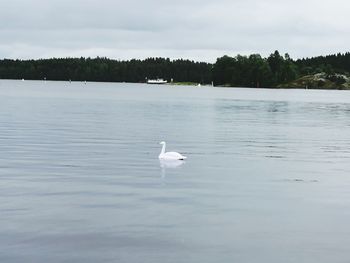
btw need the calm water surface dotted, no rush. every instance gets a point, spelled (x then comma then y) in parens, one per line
(267, 177)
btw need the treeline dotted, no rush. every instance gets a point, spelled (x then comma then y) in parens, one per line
(256, 71)
(108, 70)
(240, 71)
(338, 63)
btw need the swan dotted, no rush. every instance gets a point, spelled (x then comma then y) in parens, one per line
(170, 155)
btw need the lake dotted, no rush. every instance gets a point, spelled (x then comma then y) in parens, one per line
(267, 177)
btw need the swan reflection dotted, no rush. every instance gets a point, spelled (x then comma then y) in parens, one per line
(169, 164)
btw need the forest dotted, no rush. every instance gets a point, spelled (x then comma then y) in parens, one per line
(275, 70)
(106, 70)
(239, 71)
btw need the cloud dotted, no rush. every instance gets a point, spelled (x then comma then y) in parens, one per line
(200, 30)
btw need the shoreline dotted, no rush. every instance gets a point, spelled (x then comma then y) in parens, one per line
(183, 84)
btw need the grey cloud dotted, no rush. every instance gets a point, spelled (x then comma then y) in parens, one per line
(200, 30)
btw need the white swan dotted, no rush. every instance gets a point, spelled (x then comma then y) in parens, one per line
(170, 155)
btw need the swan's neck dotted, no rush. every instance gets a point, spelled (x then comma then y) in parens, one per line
(163, 149)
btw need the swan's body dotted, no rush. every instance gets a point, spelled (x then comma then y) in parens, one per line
(170, 155)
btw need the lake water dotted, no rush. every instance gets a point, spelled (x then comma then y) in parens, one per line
(267, 177)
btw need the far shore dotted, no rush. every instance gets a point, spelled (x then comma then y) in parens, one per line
(189, 84)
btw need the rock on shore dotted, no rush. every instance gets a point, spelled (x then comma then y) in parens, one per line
(319, 81)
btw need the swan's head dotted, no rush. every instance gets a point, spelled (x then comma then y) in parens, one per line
(162, 143)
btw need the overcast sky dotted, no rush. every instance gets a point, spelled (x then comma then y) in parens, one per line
(195, 29)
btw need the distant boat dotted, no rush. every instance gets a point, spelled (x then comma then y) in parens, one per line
(156, 81)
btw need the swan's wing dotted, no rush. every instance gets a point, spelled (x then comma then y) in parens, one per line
(174, 155)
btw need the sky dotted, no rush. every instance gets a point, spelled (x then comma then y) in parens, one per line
(200, 30)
